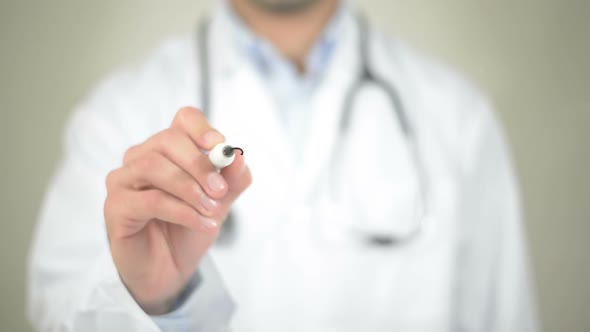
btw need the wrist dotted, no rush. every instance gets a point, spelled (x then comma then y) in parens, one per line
(153, 302)
(158, 308)
(170, 304)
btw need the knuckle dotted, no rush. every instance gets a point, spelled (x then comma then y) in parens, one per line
(183, 111)
(197, 114)
(116, 230)
(129, 154)
(188, 118)
(185, 114)
(108, 206)
(110, 210)
(111, 179)
(166, 139)
(146, 164)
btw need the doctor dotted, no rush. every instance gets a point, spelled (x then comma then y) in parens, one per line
(375, 192)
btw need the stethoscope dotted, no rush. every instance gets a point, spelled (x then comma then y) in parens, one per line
(366, 77)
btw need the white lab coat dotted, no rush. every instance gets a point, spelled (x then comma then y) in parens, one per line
(296, 262)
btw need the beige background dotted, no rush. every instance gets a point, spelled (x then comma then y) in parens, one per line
(532, 57)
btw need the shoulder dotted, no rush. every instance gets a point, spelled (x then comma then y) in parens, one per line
(441, 101)
(423, 76)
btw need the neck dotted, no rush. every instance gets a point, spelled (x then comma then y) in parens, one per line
(293, 34)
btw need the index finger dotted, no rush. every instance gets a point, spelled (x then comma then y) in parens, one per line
(194, 123)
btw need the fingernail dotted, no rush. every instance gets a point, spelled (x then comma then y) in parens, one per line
(211, 138)
(207, 203)
(216, 182)
(208, 222)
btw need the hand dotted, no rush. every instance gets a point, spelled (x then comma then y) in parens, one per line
(164, 208)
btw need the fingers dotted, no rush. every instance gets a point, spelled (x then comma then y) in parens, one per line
(181, 150)
(156, 171)
(139, 207)
(170, 178)
(193, 122)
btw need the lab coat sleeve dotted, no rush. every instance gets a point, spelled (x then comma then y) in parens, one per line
(208, 294)
(73, 283)
(493, 290)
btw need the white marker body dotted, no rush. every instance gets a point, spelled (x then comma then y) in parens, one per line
(218, 159)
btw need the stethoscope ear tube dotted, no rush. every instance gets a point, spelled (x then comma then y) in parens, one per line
(204, 74)
(366, 76)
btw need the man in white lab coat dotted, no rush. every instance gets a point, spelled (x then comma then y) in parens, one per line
(314, 208)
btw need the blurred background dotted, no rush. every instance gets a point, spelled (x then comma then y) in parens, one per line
(531, 57)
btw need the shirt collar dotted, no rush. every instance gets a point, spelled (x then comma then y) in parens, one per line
(265, 57)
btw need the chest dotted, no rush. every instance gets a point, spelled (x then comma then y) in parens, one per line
(311, 229)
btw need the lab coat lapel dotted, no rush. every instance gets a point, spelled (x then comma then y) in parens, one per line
(241, 102)
(244, 110)
(244, 106)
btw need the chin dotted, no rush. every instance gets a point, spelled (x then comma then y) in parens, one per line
(284, 6)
